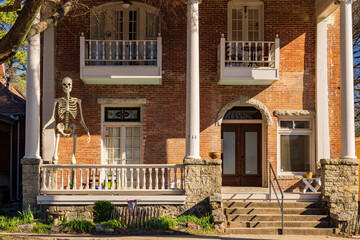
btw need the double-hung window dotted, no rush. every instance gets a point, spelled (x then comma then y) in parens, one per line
(295, 146)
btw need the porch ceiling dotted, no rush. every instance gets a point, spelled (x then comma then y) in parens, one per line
(324, 8)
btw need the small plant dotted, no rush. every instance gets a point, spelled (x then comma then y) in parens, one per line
(163, 223)
(79, 225)
(102, 211)
(41, 228)
(204, 222)
(26, 216)
(111, 224)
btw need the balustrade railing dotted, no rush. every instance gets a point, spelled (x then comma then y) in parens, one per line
(121, 52)
(250, 53)
(68, 178)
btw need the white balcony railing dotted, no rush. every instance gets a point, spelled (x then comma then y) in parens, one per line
(121, 61)
(249, 62)
(111, 179)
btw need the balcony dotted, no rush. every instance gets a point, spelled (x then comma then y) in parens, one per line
(121, 61)
(249, 62)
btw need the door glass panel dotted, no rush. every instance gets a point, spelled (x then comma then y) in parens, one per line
(251, 153)
(132, 145)
(113, 146)
(229, 152)
(237, 22)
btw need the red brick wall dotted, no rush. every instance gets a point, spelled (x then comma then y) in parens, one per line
(165, 112)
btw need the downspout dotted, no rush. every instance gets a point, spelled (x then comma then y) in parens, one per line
(11, 162)
(18, 161)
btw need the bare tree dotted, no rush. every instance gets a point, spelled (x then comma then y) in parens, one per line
(356, 47)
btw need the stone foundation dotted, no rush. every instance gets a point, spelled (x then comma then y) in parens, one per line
(339, 178)
(202, 180)
(30, 182)
(86, 211)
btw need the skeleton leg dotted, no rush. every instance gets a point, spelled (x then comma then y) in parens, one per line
(55, 158)
(73, 160)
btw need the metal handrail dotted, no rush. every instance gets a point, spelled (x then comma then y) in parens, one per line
(281, 205)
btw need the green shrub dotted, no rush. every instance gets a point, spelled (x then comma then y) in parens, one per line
(204, 222)
(41, 228)
(79, 225)
(163, 223)
(111, 224)
(26, 216)
(102, 211)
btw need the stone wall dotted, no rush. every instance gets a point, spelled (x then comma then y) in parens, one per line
(339, 179)
(30, 181)
(202, 180)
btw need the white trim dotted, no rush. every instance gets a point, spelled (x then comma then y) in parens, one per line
(309, 132)
(117, 199)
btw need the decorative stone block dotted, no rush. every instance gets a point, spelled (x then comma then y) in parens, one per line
(31, 181)
(339, 192)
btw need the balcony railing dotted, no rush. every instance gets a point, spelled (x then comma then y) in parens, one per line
(111, 179)
(121, 61)
(249, 62)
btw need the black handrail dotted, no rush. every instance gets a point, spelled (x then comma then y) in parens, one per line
(281, 205)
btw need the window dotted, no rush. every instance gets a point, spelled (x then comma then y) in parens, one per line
(113, 22)
(122, 135)
(295, 139)
(245, 20)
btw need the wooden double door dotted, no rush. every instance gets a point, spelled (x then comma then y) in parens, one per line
(242, 154)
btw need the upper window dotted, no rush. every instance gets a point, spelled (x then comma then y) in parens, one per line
(295, 145)
(245, 20)
(113, 22)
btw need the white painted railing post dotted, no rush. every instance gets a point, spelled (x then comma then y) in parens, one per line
(82, 53)
(277, 52)
(222, 52)
(159, 53)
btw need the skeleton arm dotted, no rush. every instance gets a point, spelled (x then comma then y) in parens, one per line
(52, 119)
(82, 120)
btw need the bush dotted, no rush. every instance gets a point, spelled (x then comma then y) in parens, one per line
(79, 225)
(204, 222)
(111, 224)
(41, 228)
(163, 223)
(102, 211)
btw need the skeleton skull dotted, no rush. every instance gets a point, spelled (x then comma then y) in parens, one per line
(67, 84)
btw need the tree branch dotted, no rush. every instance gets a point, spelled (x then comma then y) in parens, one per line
(53, 20)
(11, 8)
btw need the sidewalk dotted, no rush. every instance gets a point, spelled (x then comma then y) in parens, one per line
(224, 237)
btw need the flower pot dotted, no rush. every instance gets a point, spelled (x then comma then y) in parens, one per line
(309, 175)
(215, 155)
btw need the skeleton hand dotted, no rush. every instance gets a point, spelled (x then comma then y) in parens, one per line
(89, 138)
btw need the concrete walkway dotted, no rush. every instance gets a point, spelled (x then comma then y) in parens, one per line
(224, 237)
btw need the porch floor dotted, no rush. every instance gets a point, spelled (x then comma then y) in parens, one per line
(262, 195)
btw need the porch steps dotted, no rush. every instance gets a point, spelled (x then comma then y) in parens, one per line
(255, 217)
(263, 197)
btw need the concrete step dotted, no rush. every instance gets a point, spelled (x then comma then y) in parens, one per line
(277, 224)
(294, 211)
(273, 217)
(274, 204)
(261, 197)
(287, 231)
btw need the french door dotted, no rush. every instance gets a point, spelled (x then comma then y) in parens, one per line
(242, 151)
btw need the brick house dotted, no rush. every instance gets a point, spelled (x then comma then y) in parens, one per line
(257, 80)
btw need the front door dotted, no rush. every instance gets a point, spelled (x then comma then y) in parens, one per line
(241, 156)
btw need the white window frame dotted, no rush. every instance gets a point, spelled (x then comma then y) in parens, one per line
(142, 10)
(122, 125)
(250, 4)
(308, 131)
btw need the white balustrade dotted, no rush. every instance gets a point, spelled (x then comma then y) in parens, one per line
(110, 179)
(249, 53)
(121, 52)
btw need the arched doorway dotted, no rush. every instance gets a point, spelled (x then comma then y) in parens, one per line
(243, 124)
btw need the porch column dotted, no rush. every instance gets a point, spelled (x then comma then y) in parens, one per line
(322, 98)
(32, 160)
(193, 88)
(32, 135)
(347, 82)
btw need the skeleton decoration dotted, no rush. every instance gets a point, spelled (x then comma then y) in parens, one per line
(68, 110)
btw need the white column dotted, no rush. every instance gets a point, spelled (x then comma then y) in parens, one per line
(193, 83)
(347, 81)
(48, 95)
(322, 100)
(32, 136)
